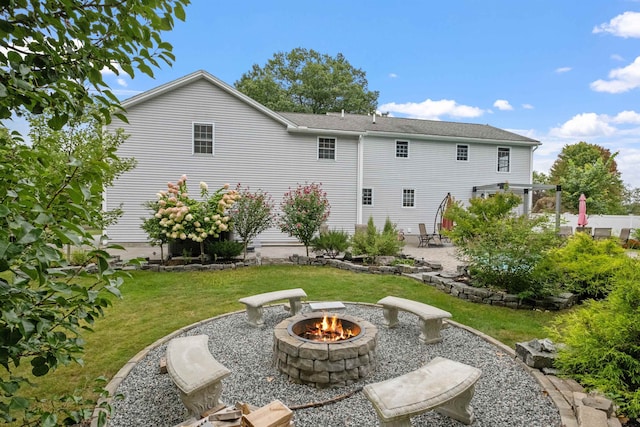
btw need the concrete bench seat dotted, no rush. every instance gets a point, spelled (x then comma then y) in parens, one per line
(196, 373)
(254, 303)
(430, 317)
(442, 384)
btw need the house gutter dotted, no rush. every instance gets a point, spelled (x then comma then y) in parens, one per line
(444, 138)
(316, 131)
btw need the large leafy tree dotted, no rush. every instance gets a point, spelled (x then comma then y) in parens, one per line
(592, 170)
(307, 81)
(51, 57)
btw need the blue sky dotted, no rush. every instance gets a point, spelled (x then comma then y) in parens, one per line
(557, 71)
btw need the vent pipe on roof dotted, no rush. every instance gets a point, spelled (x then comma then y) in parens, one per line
(374, 118)
(343, 113)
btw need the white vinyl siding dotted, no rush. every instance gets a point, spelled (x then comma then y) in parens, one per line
(367, 197)
(504, 159)
(326, 148)
(203, 138)
(408, 197)
(462, 152)
(402, 149)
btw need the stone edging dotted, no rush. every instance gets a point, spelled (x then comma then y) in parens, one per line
(566, 411)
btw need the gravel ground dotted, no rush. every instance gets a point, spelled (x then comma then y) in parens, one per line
(506, 395)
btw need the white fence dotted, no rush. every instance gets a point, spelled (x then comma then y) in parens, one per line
(615, 222)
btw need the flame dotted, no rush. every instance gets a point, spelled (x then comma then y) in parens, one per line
(329, 329)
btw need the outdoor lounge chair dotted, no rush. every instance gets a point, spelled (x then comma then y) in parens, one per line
(423, 237)
(625, 235)
(600, 233)
(565, 231)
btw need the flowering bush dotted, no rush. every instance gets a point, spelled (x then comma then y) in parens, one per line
(251, 215)
(182, 217)
(304, 210)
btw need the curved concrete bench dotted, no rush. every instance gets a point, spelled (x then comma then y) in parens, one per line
(196, 373)
(430, 317)
(254, 303)
(442, 384)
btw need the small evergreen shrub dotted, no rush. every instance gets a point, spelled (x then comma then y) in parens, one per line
(224, 249)
(583, 265)
(371, 243)
(79, 257)
(331, 243)
(602, 341)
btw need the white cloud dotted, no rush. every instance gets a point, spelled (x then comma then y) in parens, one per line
(433, 110)
(617, 57)
(563, 70)
(621, 79)
(106, 71)
(627, 116)
(527, 106)
(625, 25)
(503, 104)
(122, 82)
(584, 125)
(393, 75)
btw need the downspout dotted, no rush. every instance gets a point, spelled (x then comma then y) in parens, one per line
(359, 179)
(530, 195)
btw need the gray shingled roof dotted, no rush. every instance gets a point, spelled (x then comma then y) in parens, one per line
(396, 125)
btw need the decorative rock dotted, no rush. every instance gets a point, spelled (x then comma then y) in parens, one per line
(590, 417)
(599, 402)
(532, 357)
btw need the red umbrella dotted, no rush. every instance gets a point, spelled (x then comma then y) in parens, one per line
(582, 211)
(447, 224)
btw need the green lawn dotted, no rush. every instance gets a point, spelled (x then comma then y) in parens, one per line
(156, 304)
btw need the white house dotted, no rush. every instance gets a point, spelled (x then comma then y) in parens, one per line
(368, 165)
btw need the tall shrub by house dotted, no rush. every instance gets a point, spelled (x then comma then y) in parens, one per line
(304, 210)
(373, 243)
(251, 215)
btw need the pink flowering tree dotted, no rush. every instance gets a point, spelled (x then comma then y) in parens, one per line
(251, 214)
(304, 210)
(182, 217)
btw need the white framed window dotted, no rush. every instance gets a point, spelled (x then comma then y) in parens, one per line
(367, 197)
(326, 148)
(408, 198)
(402, 149)
(462, 152)
(504, 159)
(203, 139)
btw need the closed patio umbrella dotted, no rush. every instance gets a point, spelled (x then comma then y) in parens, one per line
(582, 211)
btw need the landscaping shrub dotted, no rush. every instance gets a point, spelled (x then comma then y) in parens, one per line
(225, 249)
(503, 249)
(583, 265)
(79, 257)
(331, 243)
(372, 243)
(602, 341)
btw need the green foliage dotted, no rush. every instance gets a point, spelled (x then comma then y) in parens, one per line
(79, 257)
(502, 249)
(307, 81)
(251, 214)
(332, 243)
(304, 210)
(403, 261)
(602, 341)
(373, 243)
(180, 216)
(592, 170)
(151, 226)
(225, 249)
(53, 52)
(584, 266)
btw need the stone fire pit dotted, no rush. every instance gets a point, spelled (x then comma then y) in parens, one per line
(324, 364)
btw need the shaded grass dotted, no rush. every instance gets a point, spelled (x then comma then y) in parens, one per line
(156, 304)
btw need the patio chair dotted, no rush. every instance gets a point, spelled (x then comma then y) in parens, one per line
(600, 233)
(565, 231)
(625, 235)
(423, 236)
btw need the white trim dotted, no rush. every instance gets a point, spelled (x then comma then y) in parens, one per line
(372, 197)
(396, 148)
(402, 206)
(498, 159)
(456, 153)
(335, 148)
(359, 179)
(193, 138)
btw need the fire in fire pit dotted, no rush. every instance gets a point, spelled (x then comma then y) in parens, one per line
(327, 329)
(325, 351)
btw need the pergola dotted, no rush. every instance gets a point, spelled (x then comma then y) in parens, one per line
(501, 186)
